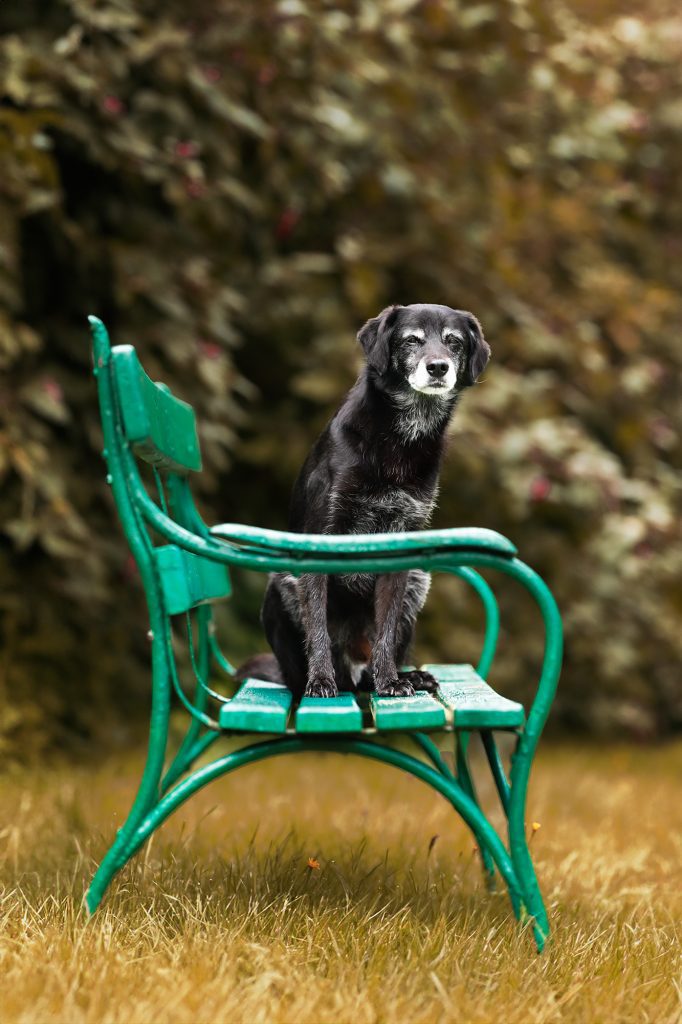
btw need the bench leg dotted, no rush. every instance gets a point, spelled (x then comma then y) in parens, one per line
(532, 900)
(190, 752)
(118, 854)
(448, 787)
(467, 784)
(125, 848)
(194, 742)
(186, 754)
(518, 843)
(464, 778)
(513, 800)
(148, 791)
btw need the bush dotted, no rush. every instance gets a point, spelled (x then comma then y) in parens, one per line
(236, 190)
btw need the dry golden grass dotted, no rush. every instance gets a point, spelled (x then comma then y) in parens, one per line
(221, 919)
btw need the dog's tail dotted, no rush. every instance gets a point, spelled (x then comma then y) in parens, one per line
(260, 666)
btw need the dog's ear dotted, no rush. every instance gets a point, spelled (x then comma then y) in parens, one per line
(375, 338)
(478, 350)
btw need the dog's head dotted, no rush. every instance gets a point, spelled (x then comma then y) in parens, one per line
(432, 349)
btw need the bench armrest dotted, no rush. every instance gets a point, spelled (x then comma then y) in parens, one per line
(258, 540)
(438, 550)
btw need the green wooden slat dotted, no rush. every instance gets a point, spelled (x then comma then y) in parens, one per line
(161, 428)
(475, 705)
(418, 712)
(329, 714)
(257, 707)
(188, 580)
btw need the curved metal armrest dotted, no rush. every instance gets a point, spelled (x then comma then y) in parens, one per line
(272, 550)
(258, 540)
(440, 550)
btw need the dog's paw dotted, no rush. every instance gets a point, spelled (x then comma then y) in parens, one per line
(420, 680)
(400, 687)
(321, 686)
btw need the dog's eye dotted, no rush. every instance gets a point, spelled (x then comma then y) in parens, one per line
(415, 339)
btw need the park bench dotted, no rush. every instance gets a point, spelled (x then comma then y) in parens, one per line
(184, 568)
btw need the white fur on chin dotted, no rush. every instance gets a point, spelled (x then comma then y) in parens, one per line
(431, 389)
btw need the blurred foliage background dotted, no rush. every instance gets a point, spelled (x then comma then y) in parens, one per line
(235, 187)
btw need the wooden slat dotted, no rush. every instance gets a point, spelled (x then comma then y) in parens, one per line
(188, 580)
(418, 712)
(161, 427)
(329, 714)
(474, 704)
(257, 707)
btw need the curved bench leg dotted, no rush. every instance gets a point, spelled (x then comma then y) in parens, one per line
(447, 787)
(123, 847)
(464, 778)
(114, 859)
(518, 843)
(123, 851)
(467, 784)
(186, 756)
(533, 905)
(148, 790)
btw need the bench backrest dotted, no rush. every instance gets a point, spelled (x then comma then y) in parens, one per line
(144, 420)
(161, 428)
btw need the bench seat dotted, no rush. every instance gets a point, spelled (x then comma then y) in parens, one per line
(464, 701)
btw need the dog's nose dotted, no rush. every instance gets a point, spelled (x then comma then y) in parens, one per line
(437, 368)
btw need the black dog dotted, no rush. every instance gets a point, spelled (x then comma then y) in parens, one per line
(374, 469)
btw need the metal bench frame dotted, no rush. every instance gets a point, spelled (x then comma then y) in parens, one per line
(190, 569)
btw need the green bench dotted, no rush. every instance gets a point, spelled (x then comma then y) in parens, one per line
(184, 567)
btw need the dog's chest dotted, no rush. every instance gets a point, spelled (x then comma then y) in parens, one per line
(372, 510)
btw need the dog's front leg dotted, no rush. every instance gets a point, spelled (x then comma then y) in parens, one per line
(389, 596)
(313, 596)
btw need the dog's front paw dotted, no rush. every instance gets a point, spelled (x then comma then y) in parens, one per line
(321, 686)
(420, 680)
(399, 687)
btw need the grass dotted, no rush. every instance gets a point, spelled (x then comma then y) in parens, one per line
(221, 918)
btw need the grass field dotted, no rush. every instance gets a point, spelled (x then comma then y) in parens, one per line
(223, 919)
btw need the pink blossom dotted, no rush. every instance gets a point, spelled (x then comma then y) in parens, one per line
(53, 389)
(195, 188)
(186, 149)
(113, 105)
(540, 488)
(286, 223)
(209, 349)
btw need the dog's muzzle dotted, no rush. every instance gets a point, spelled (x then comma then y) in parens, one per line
(433, 376)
